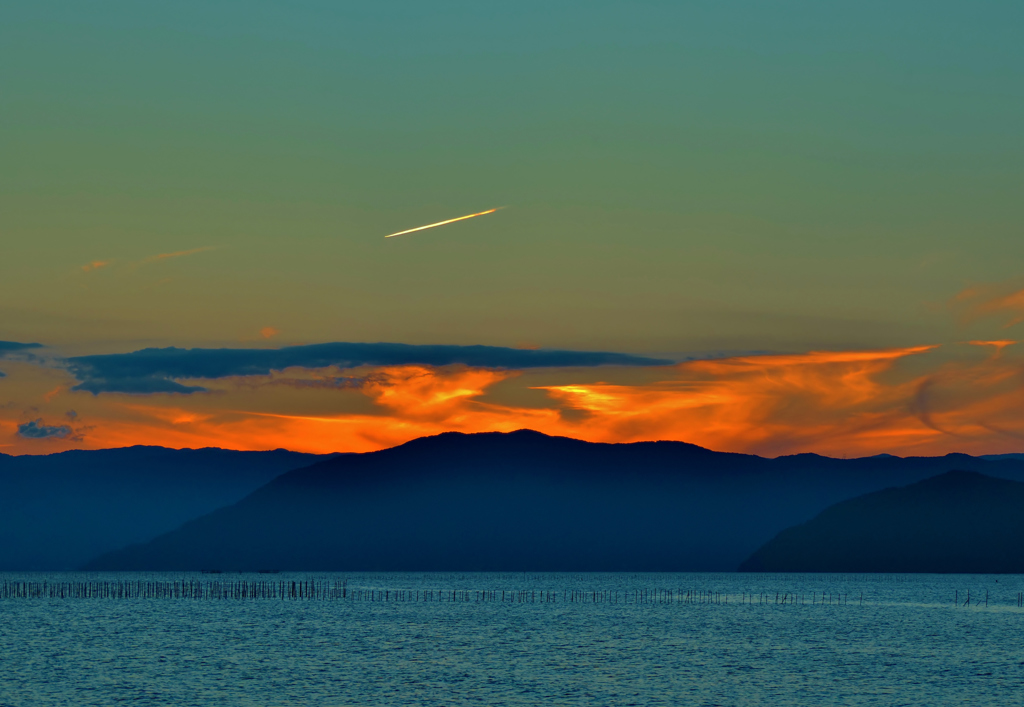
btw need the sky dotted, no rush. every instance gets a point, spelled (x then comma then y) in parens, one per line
(789, 220)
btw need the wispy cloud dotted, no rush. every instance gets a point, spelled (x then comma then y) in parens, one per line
(999, 345)
(777, 404)
(176, 254)
(96, 265)
(1001, 300)
(99, 264)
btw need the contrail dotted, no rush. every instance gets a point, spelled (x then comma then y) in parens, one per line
(178, 254)
(442, 223)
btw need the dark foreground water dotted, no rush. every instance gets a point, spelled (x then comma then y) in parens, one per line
(603, 639)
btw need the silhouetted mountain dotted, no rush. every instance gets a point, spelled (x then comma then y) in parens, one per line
(59, 510)
(997, 457)
(525, 501)
(960, 521)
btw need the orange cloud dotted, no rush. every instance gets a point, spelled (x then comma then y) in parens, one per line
(820, 401)
(409, 401)
(269, 332)
(414, 401)
(999, 300)
(96, 265)
(998, 345)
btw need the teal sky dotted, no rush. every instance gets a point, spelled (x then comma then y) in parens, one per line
(680, 176)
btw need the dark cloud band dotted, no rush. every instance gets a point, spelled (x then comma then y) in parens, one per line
(11, 346)
(37, 430)
(157, 370)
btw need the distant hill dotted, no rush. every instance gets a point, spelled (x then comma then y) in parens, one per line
(959, 522)
(526, 501)
(59, 510)
(997, 457)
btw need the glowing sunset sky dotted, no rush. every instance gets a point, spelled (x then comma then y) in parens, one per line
(797, 225)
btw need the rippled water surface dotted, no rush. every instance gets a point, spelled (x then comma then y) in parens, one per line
(658, 639)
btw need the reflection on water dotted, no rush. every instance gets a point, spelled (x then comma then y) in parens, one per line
(516, 639)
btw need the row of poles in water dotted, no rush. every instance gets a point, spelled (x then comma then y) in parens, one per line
(334, 590)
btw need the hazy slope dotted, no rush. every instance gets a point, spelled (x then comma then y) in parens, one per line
(959, 521)
(525, 501)
(58, 510)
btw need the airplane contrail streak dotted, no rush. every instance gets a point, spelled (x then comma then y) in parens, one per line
(442, 223)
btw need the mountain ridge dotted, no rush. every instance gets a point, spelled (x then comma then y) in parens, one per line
(58, 510)
(525, 500)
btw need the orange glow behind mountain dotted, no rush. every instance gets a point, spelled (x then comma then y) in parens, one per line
(838, 403)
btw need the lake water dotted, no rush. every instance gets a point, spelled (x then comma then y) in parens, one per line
(602, 639)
